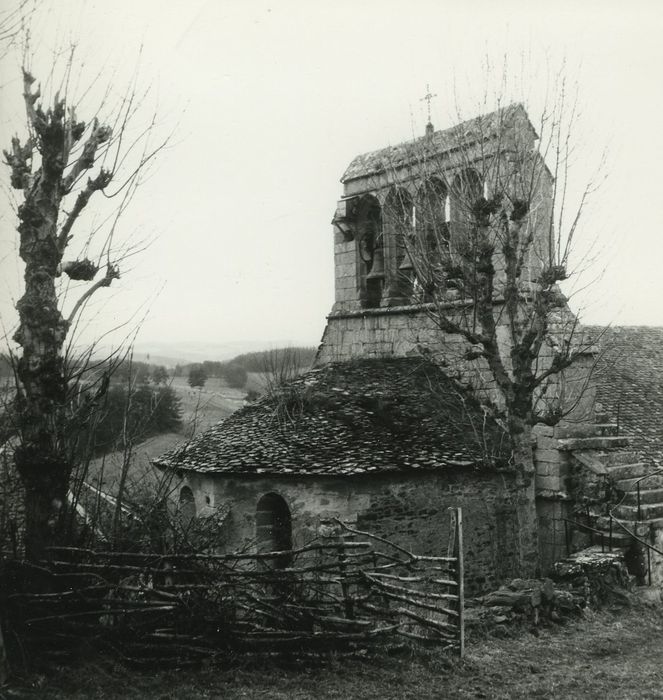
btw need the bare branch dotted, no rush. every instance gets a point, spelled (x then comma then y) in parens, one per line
(112, 273)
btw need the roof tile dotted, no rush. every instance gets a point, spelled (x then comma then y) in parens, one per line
(390, 415)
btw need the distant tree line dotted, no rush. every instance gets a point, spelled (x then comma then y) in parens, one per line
(139, 373)
(300, 357)
(130, 414)
(139, 402)
(235, 372)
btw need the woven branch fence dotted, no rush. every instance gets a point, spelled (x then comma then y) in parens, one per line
(347, 590)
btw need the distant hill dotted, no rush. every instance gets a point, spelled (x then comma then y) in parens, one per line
(171, 353)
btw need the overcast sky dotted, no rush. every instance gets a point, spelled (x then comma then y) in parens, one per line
(269, 101)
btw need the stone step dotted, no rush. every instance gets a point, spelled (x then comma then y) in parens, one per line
(618, 457)
(647, 495)
(593, 443)
(606, 429)
(585, 430)
(630, 484)
(628, 471)
(648, 511)
(619, 538)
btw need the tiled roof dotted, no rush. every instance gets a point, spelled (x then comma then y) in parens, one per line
(630, 377)
(439, 142)
(359, 417)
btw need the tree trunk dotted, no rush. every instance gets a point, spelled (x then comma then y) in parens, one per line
(520, 430)
(42, 391)
(46, 481)
(521, 440)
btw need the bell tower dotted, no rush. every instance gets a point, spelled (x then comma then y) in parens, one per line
(415, 203)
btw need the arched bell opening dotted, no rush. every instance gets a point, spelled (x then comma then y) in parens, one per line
(433, 214)
(370, 247)
(398, 218)
(467, 190)
(431, 236)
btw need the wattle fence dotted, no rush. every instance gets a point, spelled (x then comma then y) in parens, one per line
(346, 590)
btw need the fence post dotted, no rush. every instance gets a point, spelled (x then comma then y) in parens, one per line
(345, 588)
(460, 574)
(649, 556)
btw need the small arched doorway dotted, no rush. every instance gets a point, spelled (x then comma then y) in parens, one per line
(186, 508)
(274, 528)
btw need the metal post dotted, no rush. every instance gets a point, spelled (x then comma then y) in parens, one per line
(610, 537)
(639, 511)
(566, 537)
(460, 573)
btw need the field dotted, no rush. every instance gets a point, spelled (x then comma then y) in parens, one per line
(606, 655)
(204, 407)
(201, 408)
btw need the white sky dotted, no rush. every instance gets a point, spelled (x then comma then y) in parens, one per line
(271, 100)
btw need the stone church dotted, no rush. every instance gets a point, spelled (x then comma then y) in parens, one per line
(384, 432)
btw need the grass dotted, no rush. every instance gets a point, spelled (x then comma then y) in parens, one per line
(604, 655)
(207, 406)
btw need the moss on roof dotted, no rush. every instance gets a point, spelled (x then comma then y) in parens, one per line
(351, 418)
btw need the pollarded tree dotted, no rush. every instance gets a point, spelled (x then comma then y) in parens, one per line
(60, 166)
(483, 231)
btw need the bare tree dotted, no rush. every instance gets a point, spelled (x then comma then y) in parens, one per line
(12, 22)
(60, 167)
(478, 229)
(282, 365)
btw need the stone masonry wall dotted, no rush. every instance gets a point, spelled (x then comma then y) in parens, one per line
(410, 509)
(398, 332)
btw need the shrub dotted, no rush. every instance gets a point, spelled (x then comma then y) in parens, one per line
(234, 375)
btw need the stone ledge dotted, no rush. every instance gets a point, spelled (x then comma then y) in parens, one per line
(406, 309)
(592, 443)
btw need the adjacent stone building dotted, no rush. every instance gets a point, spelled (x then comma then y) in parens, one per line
(388, 444)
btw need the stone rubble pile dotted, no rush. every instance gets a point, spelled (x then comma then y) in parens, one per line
(587, 579)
